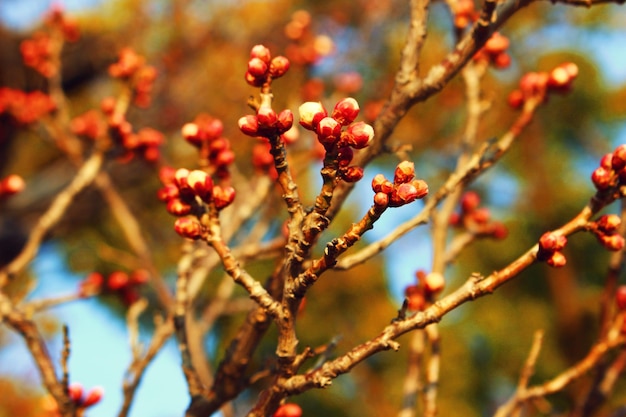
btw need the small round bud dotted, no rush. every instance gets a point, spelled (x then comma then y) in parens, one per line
(601, 178)
(405, 172)
(358, 135)
(261, 52)
(201, 183)
(311, 112)
(257, 67)
(279, 66)
(344, 156)
(609, 223)
(470, 201)
(11, 185)
(556, 260)
(189, 228)
(92, 284)
(618, 159)
(267, 119)
(75, 392)
(93, 396)
(117, 280)
(249, 125)
(223, 196)
(381, 199)
(177, 207)
(345, 111)
(434, 282)
(351, 174)
(551, 241)
(288, 410)
(328, 131)
(515, 99)
(285, 121)
(611, 242)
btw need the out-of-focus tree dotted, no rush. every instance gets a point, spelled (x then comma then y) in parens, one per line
(155, 143)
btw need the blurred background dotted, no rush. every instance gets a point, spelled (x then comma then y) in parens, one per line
(337, 48)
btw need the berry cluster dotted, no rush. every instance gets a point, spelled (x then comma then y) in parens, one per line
(124, 284)
(132, 68)
(404, 189)
(186, 191)
(288, 410)
(205, 133)
(90, 125)
(25, 107)
(494, 51)
(606, 230)
(144, 143)
(39, 52)
(427, 286)
(476, 219)
(11, 185)
(83, 400)
(537, 85)
(612, 170)
(550, 246)
(262, 68)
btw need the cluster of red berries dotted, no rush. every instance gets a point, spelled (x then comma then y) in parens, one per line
(288, 410)
(550, 246)
(262, 68)
(494, 51)
(11, 185)
(537, 85)
(606, 230)
(25, 107)
(612, 170)
(132, 68)
(205, 133)
(428, 285)
(38, 52)
(404, 189)
(89, 124)
(143, 143)
(306, 47)
(185, 191)
(124, 284)
(476, 219)
(464, 13)
(82, 399)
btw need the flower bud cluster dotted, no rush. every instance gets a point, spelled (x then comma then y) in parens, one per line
(11, 185)
(90, 124)
(205, 133)
(266, 123)
(124, 284)
(537, 85)
(428, 285)
(550, 246)
(83, 400)
(262, 68)
(612, 170)
(404, 189)
(38, 52)
(464, 13)
(477, 219)
(25, 107)
(184, 191)
(306, 47)
(132, 68)
(494, 51)
(143, 143)
(606, 230)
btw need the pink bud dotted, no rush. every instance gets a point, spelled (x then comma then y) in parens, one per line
(609, 223)
(75, 391)
(551, 241)
(434, 282)
(405, 172)
(618, 160)
(267, 118)
(261, 52)
(117, 280)
(254, 81)
(279, 66)
(224, 158)
(93, 396)
(177, 207)
(601, 178)
(351, 174)
(607, 161)
(190, 132)
(345, 111)
(358, 135)
(249, 125)
(381, 199)
(556, 260)
(611, 242)
(328, 131)
(344, 156)
(168, 193)
(201, 184)
(381, 184)
(257, 67)
(469, 201)
(223, 196)
(288, 410)
(515, 99)
(403, 194)
(311, 113)
(187, 227)
(11, 185)
(285, 121)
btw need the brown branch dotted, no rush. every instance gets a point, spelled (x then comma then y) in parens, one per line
(84, 177)
(412, 378)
